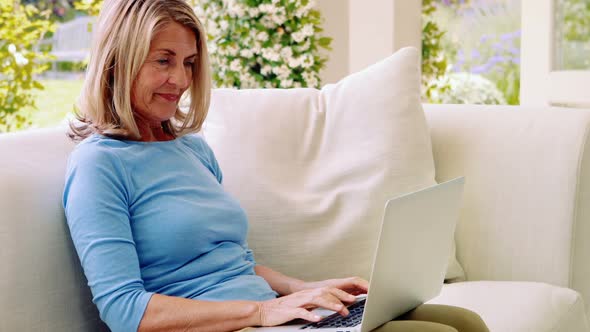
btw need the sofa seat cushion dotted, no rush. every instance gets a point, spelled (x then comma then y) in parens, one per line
(508, 306)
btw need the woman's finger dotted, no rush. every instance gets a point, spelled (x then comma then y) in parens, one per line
(342, 295)
(360, 283)
(306, 314)
(331, 302)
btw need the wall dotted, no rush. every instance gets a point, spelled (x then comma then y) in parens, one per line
(365, 31)
(335, 14)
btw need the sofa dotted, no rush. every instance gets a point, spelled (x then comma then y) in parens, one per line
(521, 239)
(521, 258)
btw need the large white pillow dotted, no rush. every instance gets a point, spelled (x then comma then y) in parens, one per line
(314, 168)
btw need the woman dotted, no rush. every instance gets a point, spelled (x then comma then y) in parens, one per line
(163, 246)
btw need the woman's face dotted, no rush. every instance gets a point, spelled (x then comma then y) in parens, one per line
(165, 75)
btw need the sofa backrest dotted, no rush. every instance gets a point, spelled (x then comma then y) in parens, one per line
(526, 213)
(42, 285)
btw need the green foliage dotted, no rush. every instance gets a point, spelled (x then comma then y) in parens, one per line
(92, 7)
(56, 101)
(20, 31)
(60, 10)
(481, 38)
(576, 19)
(258, 43)
(434, 60)
(435, 57)
(467, 88)
(264, 43)
(573, 27)
(72, 66)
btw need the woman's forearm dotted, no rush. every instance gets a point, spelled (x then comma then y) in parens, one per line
(167, 313)
(279, 282)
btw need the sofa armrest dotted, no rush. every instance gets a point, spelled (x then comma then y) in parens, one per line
(526, 211)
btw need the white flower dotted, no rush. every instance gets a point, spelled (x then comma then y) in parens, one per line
(294, 62)
(270, 54)
(280, 16)
(241, 58)
(223, 62)
(199, 11)
(282, 72)
(262, 36)
(252, 34)
(305, 46)
(302, 11)
(212, 28)
(286, 52)
(468, 88)
(286, 83)
(267, 22)
(247, 80)
(307, 61)
(298, 37)
(306, 75)
(310, 79)
(253, 11)
(307, 30)
(236, 10)
(232, 50)
(279, 19)
(20, 59)
(221, 51)
(212, 48)
(257, 48)
(11, 48)
(235, 65)
(267, 8)
(246, 53)
(265, 70)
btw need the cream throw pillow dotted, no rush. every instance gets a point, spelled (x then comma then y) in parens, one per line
(314, 168)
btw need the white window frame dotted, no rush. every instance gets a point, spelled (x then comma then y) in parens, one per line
(540, 83)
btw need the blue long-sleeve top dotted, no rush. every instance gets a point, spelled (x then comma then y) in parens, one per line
(153, 217)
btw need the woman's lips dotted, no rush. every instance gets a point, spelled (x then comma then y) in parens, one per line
(169, 96)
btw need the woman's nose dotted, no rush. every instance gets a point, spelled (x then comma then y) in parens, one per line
(179, 76)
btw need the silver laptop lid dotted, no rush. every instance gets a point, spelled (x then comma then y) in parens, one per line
(412, 251)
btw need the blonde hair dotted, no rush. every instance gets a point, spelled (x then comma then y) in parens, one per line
(121, 42)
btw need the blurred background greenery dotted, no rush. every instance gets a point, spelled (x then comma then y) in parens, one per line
(480, 43)
(470, 49)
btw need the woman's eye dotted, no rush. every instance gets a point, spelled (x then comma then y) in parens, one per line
(162, 61)
(189, 64)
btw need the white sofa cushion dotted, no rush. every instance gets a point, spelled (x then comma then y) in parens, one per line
(508, 306)
(525, 213)
(314, 168)
(42, 284)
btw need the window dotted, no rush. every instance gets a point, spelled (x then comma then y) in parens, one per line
(555, 53)
(480, 46)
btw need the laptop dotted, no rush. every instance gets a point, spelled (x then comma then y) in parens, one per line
(410, 262)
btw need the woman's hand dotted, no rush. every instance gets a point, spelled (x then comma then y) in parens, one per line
(352, 285)
(297, 305)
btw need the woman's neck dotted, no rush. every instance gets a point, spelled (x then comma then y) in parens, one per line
(152, 132)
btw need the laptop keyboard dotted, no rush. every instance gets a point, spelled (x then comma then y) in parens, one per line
(335, 320)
